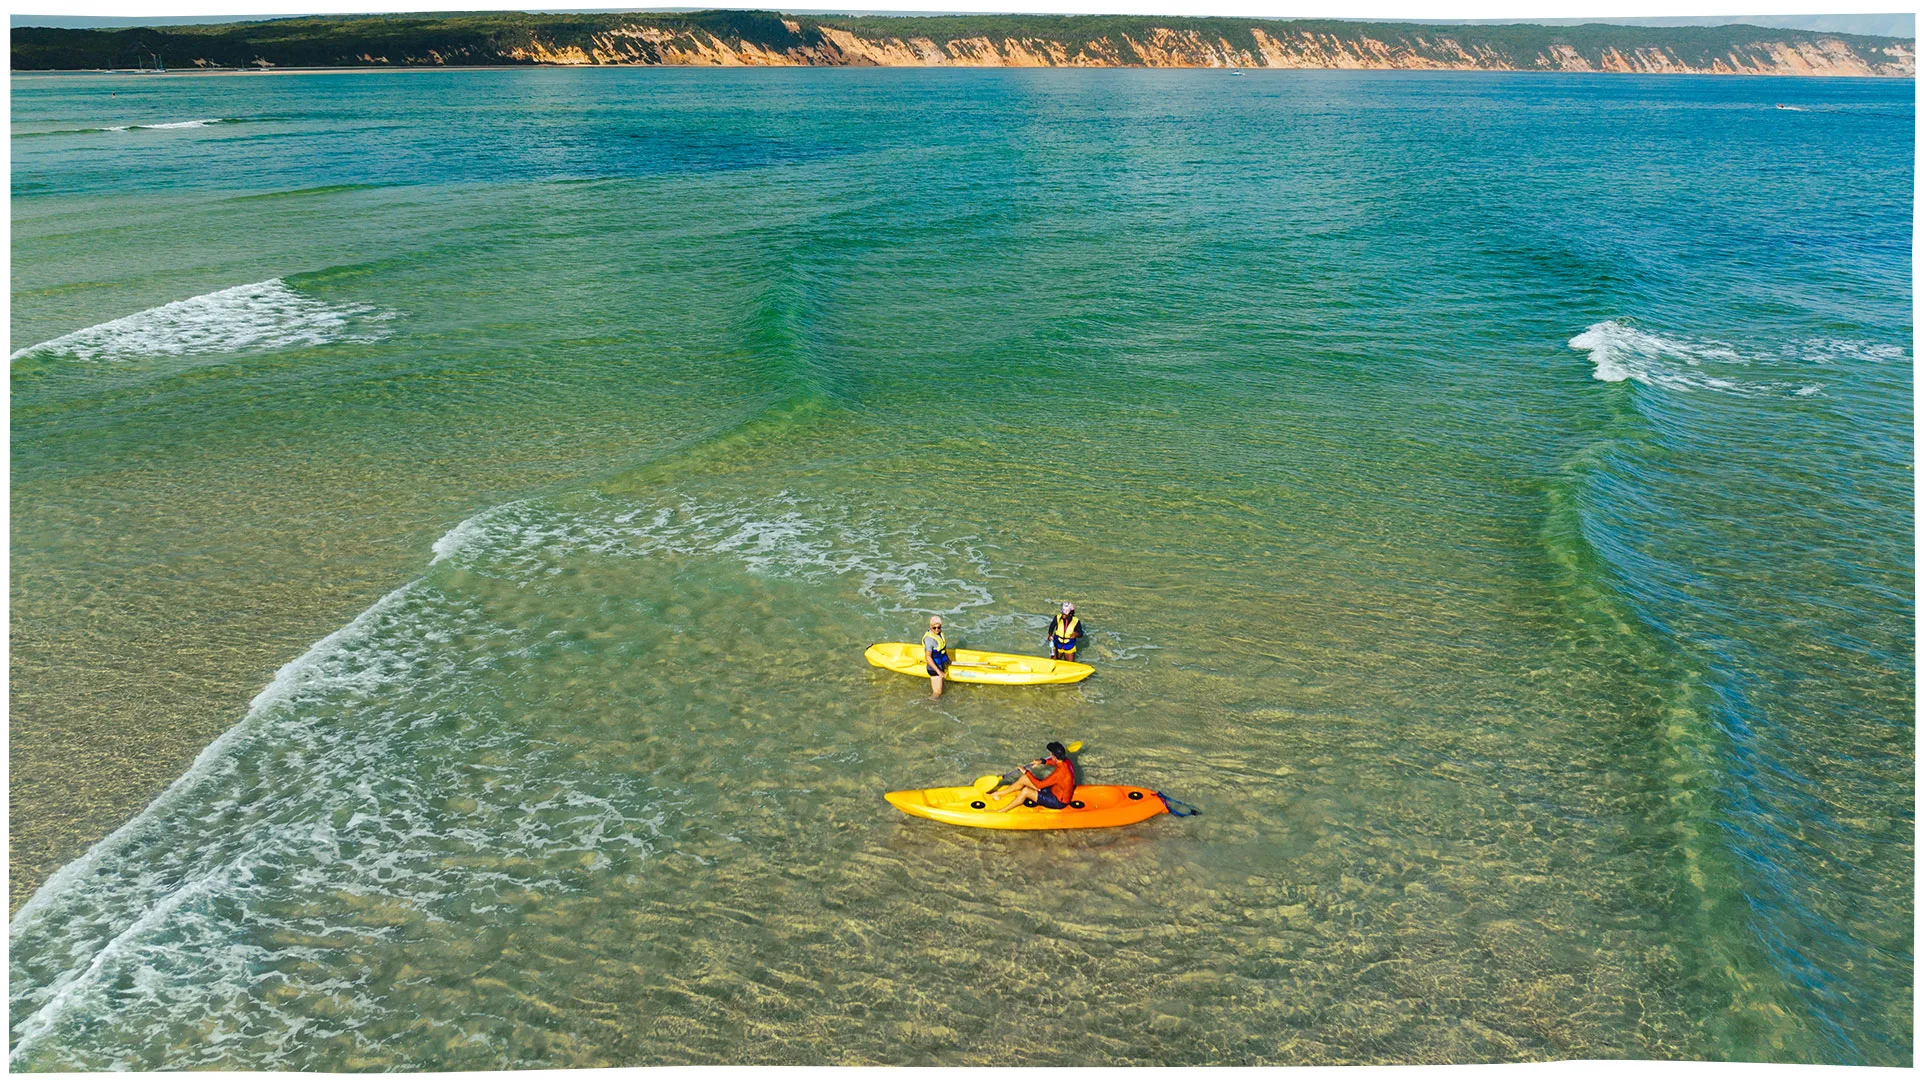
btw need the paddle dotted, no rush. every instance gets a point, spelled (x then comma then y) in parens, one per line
(989, 782)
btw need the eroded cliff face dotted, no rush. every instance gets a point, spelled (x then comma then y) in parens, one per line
(763, 39)
(1173, 48)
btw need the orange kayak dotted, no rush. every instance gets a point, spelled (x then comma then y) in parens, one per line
(1095, 806)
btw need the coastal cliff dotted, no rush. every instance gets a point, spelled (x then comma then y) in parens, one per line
(763, 39)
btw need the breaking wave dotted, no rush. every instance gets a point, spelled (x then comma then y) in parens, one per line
(1717, 548)
(262, 316)
(178, 124)
(173, 126)
(1621, 352)
(788, 536)
(383, 781)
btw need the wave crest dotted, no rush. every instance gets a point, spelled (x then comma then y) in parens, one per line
(176, 125)
(173, 126)
(785, 536)
(258, 317)
(1621, 352)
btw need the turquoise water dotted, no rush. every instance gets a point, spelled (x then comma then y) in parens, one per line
(1491, 498)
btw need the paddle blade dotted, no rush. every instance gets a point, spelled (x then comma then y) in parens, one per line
(986, 783)
(1074, 746)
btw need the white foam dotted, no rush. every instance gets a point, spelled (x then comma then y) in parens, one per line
(338, 779)
(291, 675)
(264, 315)
(65, 992)
(76, 986)
(1828, 350)
(202, 911)
(467, 531)
(323, 667)
(176, 125)
(784, 536)
(1620, 352)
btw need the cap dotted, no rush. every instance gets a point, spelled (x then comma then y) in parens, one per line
(1066, 609)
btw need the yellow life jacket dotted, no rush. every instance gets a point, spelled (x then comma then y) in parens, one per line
(935, 646)
(1065, 629)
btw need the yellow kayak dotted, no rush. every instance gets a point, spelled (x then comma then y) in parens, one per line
(1094, 806)
(972, 665)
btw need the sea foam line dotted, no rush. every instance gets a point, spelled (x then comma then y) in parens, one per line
(516, 537)
(264, 315)
(1620, 352)
(291, 676)
(893, 567)
(751, 535)
(69, 989)
(173, 126)
(66, 991)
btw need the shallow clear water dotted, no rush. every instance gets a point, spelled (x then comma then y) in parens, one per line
(1491, 498)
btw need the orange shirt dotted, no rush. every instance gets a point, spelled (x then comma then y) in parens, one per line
(1060, 781)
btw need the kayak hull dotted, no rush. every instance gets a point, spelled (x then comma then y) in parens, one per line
(1104, 806)
(974, 666)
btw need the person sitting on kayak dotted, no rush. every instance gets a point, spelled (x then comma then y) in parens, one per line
(1055, 792)
(935, 646)
(1065, 633)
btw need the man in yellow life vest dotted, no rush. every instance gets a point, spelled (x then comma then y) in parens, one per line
(934, 645)
(1066, 633)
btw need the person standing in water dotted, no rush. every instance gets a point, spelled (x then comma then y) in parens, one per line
(935, 646)
(1066, 633)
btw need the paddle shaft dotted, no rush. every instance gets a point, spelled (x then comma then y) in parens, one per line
(1073, 747)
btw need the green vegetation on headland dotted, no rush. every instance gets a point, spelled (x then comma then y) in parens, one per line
(758, 38)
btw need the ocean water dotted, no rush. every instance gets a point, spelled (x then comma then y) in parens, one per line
(449, 509)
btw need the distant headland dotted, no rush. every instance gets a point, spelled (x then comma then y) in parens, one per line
(769, 39)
